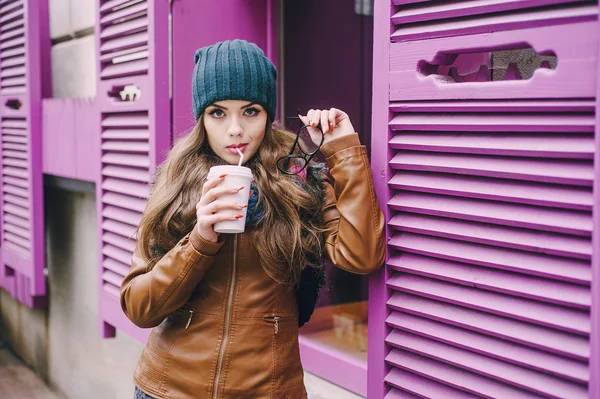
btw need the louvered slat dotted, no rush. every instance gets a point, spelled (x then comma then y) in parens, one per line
(12, 49)
(490, 248)
(125, 187)
(123, 39)
(16, 228)
(424, 20)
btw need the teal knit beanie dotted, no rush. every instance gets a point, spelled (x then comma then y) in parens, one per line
(233, 70)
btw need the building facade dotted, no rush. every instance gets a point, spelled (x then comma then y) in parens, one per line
(480, 118)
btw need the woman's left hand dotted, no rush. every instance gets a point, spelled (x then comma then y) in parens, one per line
(333, 122)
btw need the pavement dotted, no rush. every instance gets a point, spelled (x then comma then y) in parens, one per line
(17, 381)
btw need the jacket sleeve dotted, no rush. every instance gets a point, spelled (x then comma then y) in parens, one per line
(148, 296)
(354, 223)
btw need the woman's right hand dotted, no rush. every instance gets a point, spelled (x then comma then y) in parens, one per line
(210, 204)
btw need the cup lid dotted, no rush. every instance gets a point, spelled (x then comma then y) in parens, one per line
(230, 169)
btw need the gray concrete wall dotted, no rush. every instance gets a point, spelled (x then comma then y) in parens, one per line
(62, 343)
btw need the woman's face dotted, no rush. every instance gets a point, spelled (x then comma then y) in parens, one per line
(232, 124)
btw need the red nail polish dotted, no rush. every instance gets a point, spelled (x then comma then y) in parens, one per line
(239, 216)
(331, 127)
(222, 176)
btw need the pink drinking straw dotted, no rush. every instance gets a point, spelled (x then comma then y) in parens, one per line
(241, 156)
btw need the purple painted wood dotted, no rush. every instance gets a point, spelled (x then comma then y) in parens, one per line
(563, 269)
(378, 369)
(516, 215)
(500, 349)
(436, 11)
(496, 22)
(491, 206)
(499, 236)
(540, 289)
(536, 170)
(508, 329)
(523, 144)
(133, 137)
(569, 320)
(454, 376)
(594, 385)
(196, 25)
(23, 79)
(573, 60)
(493, 369)
(494, 189)
(320, 360)
(421, 387)
(70, 127)
(541, 105)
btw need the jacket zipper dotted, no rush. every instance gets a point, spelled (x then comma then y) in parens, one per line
(227, 320)
(191, 312)
(275, 321)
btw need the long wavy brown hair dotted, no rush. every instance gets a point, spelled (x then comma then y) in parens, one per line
(290, 231)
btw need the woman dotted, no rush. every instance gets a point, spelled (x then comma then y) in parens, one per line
(223, 308)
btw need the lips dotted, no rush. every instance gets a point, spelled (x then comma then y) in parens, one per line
(232, 148)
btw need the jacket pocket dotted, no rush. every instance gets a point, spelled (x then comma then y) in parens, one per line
(287, 368)
(186, 314)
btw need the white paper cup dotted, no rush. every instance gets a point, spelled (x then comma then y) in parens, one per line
(237, 176)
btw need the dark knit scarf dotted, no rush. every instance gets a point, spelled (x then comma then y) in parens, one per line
(311, 279)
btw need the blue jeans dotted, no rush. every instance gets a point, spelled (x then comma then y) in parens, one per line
(139, 394)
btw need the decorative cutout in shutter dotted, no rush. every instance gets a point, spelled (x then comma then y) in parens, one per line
(23, 43)
(135, 135)
(490, 204)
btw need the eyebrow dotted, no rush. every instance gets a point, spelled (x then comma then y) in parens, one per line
(222, 107)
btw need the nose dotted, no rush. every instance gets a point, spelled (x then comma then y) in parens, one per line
(235, 129)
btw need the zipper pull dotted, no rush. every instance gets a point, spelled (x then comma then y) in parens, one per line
(276, 318)
(189, 319)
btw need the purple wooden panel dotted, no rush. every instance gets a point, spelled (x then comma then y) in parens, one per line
(499, 236)
(133, 137)
(493, 369)
(23, 79)
(594, 385)
(474, 122)
(536, 170)
(333, 365)
(494, 189)
(524, 144)
(574, 76)
(496, 23)
(437, 11)
(378, 293)
(496, 348)
(569, 320)
(546, 219)
(531, 335)
(541, 105)
(563, 269)
(196, 25)
(453, 376)
(421, 386)
(539, 289)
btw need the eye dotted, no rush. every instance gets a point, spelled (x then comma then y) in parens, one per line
(217, 113)
(251, 111)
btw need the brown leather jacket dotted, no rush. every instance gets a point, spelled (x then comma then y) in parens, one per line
(222, 327)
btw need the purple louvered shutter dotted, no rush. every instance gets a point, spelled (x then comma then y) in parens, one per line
(133, 99)
(24, 47)
(489, 200)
